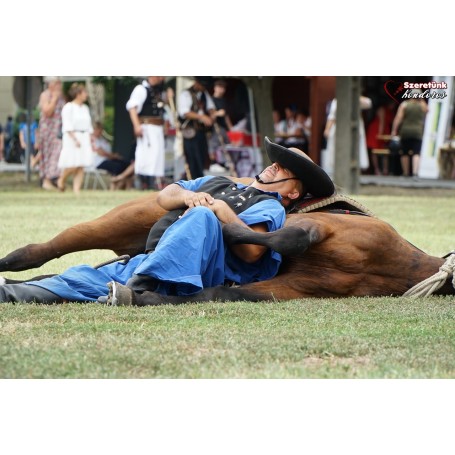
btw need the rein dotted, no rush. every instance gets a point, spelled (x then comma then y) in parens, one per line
(432, 284)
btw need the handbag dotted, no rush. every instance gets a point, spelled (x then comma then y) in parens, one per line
(188, 132)
(395, 145)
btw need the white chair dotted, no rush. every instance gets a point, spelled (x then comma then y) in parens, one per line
(97, 176)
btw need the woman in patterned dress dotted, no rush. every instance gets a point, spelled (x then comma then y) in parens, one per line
(51, 103)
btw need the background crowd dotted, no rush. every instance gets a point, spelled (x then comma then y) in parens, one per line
(65, 142)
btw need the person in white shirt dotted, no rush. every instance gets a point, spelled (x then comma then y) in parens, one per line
(146, 109)
(77, 127)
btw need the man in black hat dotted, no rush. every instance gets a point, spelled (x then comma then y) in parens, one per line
(196, 109)
(186, 251)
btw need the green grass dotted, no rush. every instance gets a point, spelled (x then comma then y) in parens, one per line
(307, 338)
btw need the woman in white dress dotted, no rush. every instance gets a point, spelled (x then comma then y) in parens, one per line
(77, 127)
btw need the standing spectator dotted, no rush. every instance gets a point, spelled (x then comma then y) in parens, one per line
(196, 108)
(9, 132)
(104, 158)
(77, 150)
(51, 103)
(408, 123)
(146, 109)
(222, 124)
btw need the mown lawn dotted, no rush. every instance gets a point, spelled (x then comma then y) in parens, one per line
(307, 338)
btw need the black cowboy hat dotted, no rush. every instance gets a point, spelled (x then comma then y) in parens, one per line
(313, 177)
(205, 81)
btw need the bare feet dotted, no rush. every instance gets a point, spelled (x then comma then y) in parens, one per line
(47, 185)
(60, 185)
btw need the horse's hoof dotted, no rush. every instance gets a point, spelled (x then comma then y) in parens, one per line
(119, 295)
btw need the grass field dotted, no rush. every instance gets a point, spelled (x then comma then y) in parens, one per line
(307, 338)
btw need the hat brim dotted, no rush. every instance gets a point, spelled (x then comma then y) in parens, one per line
(313, 177)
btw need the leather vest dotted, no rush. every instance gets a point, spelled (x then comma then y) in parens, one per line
(153, 105)
(220, 188)
(196, 105)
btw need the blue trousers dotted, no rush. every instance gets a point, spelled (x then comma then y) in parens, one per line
(189, 257)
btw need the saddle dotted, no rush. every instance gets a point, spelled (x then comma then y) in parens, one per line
(337, 203)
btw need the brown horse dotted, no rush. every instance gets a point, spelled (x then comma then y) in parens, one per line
(326, 254)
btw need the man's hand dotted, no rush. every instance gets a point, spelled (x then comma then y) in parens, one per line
(206, 120)
(197, 199)
(224, 213)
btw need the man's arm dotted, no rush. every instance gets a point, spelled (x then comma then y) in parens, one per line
(47, 105)
(21, 140)
(135, 121)
(134, 105)
(175, 197)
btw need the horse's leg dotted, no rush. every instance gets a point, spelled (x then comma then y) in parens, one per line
(288, 241)
(124, 230)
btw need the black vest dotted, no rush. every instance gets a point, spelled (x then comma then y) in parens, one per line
(196, 105)
(220, 188)
(153, 105)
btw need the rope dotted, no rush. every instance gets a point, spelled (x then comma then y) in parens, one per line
(432, 284)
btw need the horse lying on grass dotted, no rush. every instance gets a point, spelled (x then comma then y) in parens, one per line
(326, 253)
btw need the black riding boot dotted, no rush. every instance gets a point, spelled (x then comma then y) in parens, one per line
(27, 293)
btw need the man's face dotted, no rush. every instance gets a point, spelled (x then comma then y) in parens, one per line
(219, 91)
(275, 172)
(155, 80)
(199, 87)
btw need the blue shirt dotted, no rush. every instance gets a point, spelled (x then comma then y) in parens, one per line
(272, 213)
